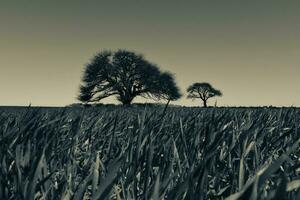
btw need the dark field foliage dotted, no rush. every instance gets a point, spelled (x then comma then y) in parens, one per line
(114, 152)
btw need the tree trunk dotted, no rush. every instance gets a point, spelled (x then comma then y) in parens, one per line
(125, 98)
(126, 102)
(205, 103)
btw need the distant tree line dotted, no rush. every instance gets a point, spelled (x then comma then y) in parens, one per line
(126, 75)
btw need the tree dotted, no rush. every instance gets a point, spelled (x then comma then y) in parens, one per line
(202, 91)
(126, 75)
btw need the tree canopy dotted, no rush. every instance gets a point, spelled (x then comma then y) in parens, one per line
(126, 75)
(202, 91)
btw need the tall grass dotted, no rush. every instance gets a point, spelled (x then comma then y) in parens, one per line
(137, 153)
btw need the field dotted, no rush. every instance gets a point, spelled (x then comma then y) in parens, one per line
(139, 152)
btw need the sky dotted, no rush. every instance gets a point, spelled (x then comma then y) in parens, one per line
(250, 50)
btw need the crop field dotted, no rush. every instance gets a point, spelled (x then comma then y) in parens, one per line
(112, 152)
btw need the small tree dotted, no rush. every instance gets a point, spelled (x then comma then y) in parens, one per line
(202, 91)
(125, 75)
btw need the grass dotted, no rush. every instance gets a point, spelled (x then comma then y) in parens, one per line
(143, 153)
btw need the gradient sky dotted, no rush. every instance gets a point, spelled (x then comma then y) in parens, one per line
(248, 49)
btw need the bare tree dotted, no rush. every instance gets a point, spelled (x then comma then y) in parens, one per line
(202, 91)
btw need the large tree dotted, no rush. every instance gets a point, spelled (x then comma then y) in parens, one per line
(126, 75)
(202, 91)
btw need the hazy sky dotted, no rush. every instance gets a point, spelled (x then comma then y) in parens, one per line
(248, 49)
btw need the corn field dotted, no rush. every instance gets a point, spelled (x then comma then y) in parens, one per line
(149, 153)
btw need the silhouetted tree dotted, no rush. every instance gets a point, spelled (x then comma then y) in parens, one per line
(126, 75)
(202, 91)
